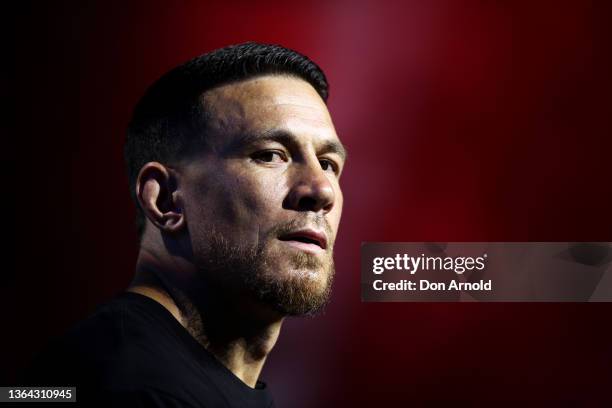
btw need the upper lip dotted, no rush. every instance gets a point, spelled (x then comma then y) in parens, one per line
(319, 237)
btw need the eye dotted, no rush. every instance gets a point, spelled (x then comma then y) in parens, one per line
(328, 165)
(269, 156)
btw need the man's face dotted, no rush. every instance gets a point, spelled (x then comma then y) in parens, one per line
(263, 201)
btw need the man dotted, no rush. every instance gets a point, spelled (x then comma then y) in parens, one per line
(234, 164)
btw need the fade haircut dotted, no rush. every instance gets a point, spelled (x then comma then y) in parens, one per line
(169, 120)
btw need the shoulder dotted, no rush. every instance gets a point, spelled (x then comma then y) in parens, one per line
(132, 352)
(121, 338)
(123, 354)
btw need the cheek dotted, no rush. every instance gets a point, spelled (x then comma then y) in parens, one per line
(335, 224)
(336, 213)
(242, 201)
(253, 195)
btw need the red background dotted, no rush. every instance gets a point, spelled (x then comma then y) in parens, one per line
(464, 121)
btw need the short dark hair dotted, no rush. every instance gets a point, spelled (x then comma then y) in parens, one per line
(170, 118)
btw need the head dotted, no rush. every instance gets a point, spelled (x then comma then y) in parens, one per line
(234, 163)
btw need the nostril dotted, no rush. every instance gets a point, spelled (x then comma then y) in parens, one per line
(307, 204)
(309, 194)
(327, 208)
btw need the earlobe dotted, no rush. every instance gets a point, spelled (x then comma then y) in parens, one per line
(174, 220)
(157, 197)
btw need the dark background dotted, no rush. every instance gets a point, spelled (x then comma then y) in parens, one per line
(464, 120)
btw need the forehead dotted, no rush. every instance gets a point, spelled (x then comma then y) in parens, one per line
(267, 102)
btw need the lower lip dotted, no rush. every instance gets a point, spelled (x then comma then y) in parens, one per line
(304, 246)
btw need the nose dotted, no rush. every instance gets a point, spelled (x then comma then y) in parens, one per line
(311, 189)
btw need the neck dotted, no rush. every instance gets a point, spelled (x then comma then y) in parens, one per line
(238, 331)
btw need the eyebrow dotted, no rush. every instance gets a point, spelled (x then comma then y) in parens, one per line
(287, 138)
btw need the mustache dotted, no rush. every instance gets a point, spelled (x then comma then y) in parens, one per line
(315, 221)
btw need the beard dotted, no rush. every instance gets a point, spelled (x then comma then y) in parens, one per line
(304, 288)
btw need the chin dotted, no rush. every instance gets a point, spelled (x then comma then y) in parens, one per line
(297, 291)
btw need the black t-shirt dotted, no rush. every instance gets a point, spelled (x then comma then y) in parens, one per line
(133, 352)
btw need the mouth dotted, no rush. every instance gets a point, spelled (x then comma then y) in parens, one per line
(306, 239)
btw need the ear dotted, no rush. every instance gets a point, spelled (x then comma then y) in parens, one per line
(156, 192)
